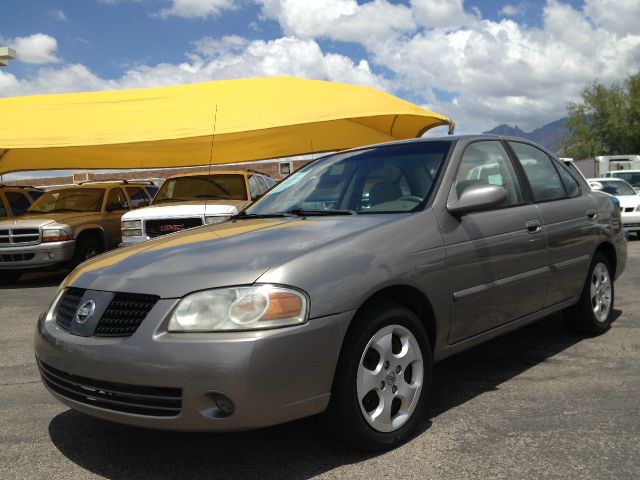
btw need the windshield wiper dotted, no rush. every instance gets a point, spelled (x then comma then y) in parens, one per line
(320, 213)
(243, 214)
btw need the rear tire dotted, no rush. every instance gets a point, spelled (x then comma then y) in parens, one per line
(383, 379)
(86, 248)
(9, 277)
(594, 311)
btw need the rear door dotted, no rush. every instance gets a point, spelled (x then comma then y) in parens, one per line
(568, 216)
(497, 258)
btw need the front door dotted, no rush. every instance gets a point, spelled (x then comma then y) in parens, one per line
(497, 259)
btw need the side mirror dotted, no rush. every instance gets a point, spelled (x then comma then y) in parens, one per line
(478, 197)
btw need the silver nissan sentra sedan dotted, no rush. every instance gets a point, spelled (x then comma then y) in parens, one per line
(335, 292)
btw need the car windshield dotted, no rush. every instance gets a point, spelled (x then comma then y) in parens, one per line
(617, 188)
(388, 179)
(199, 187)
(631, 177)
(69, 200)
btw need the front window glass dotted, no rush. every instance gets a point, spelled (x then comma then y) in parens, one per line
(617, 188)
(18, 201)
(69, 200)
(391, 179)
(3, 211)
(202, 187)
(488, 163)
(253, 187)
(117, 201)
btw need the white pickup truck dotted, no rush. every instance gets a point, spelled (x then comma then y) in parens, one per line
(191, 200)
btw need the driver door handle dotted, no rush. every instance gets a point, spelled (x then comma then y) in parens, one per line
(591, 213)
(533, 226)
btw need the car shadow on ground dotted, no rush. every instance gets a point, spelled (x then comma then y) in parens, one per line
(297, 450)
(38, 280)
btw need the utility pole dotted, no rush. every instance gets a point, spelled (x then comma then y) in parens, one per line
(6, 54)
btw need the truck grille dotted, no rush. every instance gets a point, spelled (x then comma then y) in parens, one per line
(9, 236)
(68, 306)
(124, 314)
(122, 317)
(119, 397)
(157, 228)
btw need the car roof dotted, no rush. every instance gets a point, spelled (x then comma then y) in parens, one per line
(101, 185)
(217, 172)
(607, 179)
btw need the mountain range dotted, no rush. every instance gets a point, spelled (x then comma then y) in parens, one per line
(549, 136)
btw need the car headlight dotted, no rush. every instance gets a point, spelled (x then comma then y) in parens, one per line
(239, 308)
(51, 311)
(638, 208)
(211, 219)
(131, 228)
(55, 235)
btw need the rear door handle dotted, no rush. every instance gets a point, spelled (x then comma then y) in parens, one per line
(591, 213)
(533, 226)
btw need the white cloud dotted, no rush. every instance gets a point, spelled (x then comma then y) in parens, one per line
(213, 59)
(344, 20)
(196, 8)
(618, 16)
(510, 10)
(59, 15)
(480, 72)
(441, 13)
(37, 48)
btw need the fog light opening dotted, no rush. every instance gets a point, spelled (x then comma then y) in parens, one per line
(215, 405)
(224, 405)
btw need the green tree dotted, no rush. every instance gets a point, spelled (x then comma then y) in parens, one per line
(607, 122)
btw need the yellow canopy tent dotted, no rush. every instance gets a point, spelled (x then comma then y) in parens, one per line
(215, 122)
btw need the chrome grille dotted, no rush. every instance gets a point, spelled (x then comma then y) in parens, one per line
(67, 307)
(21, 236)
(157, 228)
(124, 314)
(119, 397)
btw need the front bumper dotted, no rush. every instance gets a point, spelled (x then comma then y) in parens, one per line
(631, 221)
(271, 376)
(36, 256)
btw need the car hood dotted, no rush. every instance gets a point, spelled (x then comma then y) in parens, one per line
(187, 209)
(231, 253)
(628, 201)
(41, 220)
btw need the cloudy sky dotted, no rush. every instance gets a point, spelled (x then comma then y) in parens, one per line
(481, 62)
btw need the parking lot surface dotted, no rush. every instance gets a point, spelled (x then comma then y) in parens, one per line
(538, 403)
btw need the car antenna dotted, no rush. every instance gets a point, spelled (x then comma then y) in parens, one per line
(213, 134)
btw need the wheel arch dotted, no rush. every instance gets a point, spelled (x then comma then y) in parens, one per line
(92, 231)
(609, 251)
(408, 297)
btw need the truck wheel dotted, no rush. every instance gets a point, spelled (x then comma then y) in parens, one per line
(9, 277)
(383, 380)
(594, 310)
(86, 248)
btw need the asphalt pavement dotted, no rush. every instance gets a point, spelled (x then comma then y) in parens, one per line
(538, 403)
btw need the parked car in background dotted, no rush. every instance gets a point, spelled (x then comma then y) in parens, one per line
(14, 200)
(632, 177)
(627, 196)
(319, 298)
(66, 226)
(192, 200)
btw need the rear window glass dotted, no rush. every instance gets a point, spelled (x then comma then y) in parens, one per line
(542, 175)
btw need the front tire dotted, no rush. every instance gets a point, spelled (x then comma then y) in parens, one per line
(594, 311)
(383, 381)
(86, 248)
